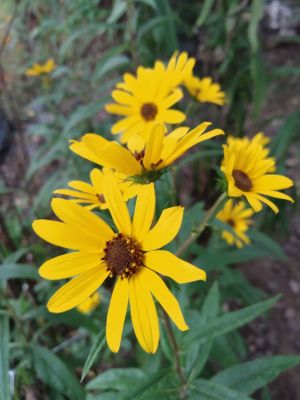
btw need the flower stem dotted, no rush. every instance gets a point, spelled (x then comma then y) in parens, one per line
(208, 216)
(172, 339)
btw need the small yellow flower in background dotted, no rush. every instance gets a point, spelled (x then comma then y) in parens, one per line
(131, 257)
(237, 216)
(91, 194)
(246, 167)
(205, 90)
(146, 99)
(144, 160)
(40, 69)
(178, 69)
(89, 304)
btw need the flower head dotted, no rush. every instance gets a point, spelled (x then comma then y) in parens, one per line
(237, 216)
(145, 159)
(145, 99)
(40, 69)
(205, 90)
(131, 257)
(91, 194)
(246, 166)
(89, 304)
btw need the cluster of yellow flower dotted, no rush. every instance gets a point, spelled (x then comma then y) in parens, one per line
(41, 69)
(131, 253)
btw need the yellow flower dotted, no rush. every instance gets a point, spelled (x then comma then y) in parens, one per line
(144, 160)
(89, 304)
(146, 99)
(237, 216)
(131, 257)
(246, 168)
(91, 194)
(204, 90)
(39, 69)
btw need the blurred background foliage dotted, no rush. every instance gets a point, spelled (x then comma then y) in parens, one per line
(93, 43)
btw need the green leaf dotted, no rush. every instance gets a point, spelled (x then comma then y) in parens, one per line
(205, 10)
(95, 349)
(110, 64)
(18, 271)
(252, 375)
(257, 11)
(4, 357)
(117, 378)
(199, 353)
(268, 244)
(81, 114)
(285, 136)
(119, 8)
(149, 384)
(207, 390)
(52, 371)
(228, 322)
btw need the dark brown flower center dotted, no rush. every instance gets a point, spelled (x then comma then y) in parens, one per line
(123, 256)
(101, 198)
(242, 180)
(148, 111)
(231, 222)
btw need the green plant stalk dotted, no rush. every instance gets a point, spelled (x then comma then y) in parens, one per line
(197, 232)
(179, 371)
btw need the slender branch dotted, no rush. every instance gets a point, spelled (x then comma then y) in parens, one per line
(172, 339)
(208, 216)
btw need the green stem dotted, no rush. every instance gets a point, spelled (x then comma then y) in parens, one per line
(172, 339)
(197, 232)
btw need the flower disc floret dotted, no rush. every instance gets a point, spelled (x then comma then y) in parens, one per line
(123, 256)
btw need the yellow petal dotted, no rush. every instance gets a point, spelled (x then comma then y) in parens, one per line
(165, 229)
(153, 147)
(173, 116)
(80, 148)
(82, 186)
(77, 290)
(69, 265)
(143, 314)
(112, 155)
(166, 299)
(116, 314)
(144, 211)
(277, 195)
(273, 182)
(268, 202)
(117, 109)
(63, 235)
(82, 220)
(168, 264)
(116, 205)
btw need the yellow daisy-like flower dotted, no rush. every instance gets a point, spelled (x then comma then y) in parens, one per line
(89, 304)
(144, 160)
(91, 194)
(40, 69)
(131, 257)
(205, 90)
(237, 216)
(145, 100)
(246, 168)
